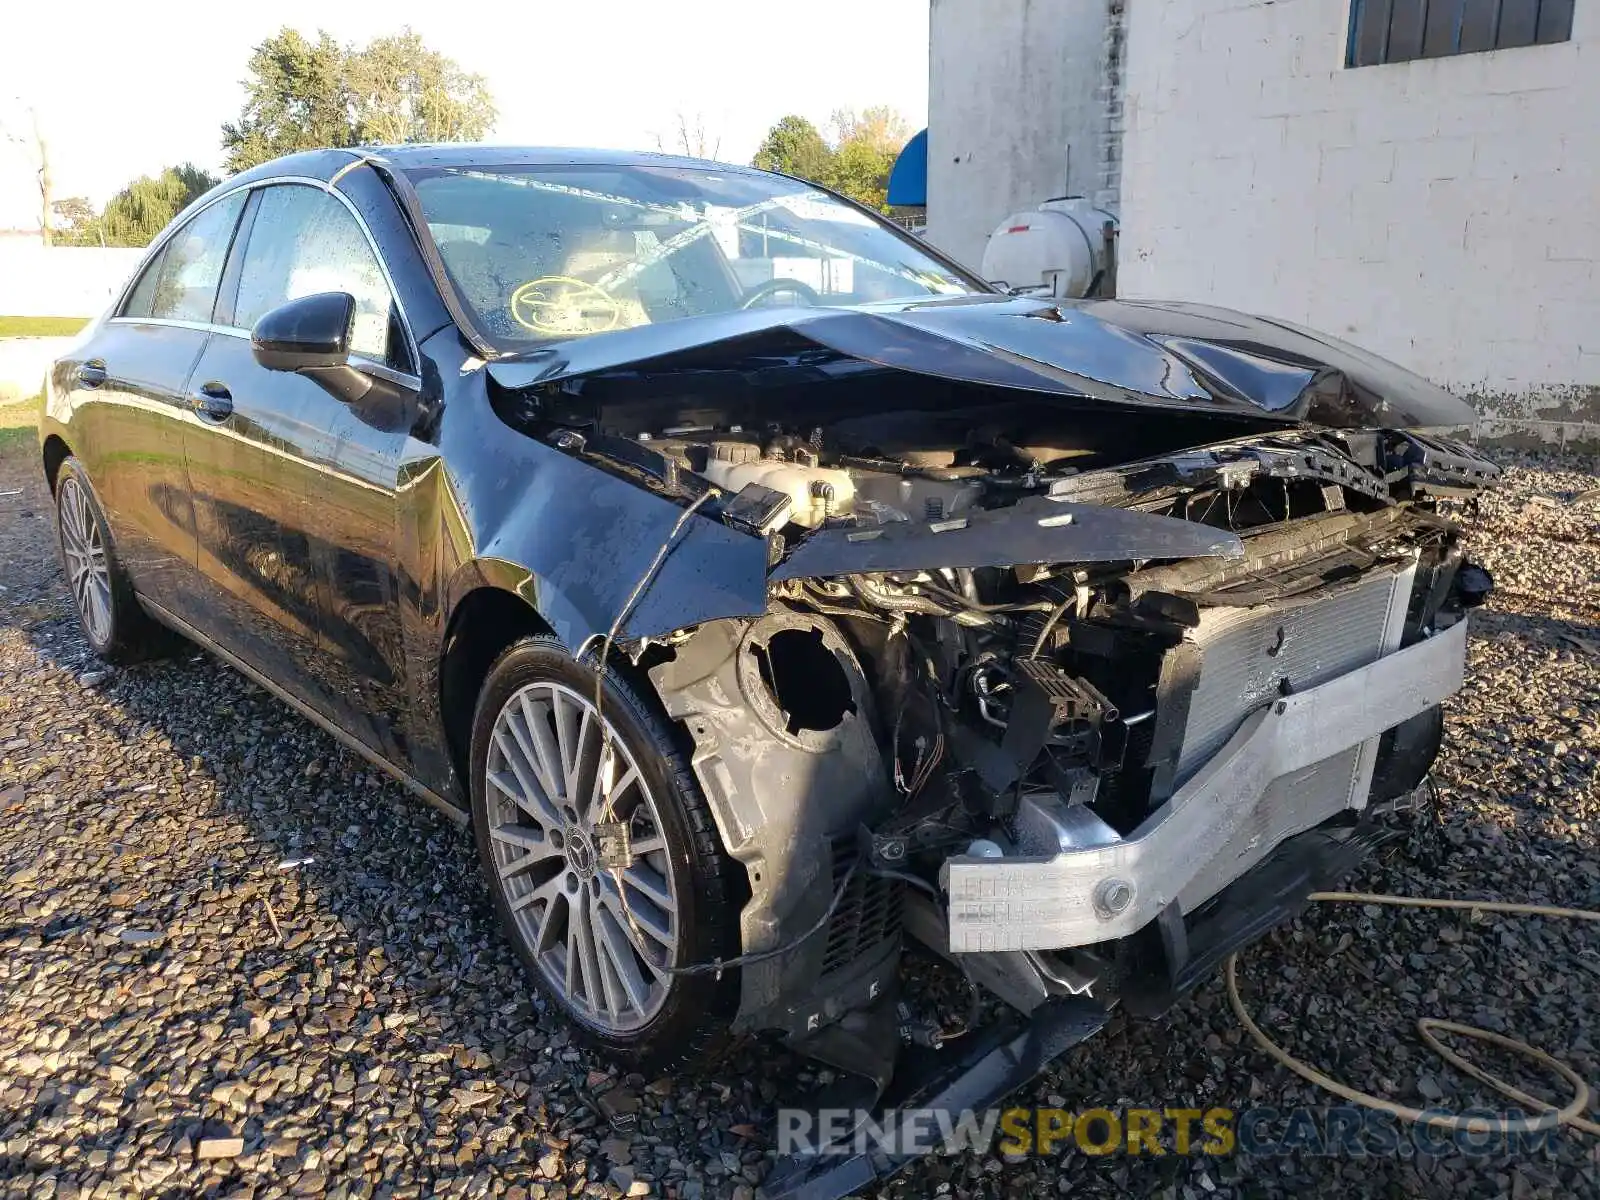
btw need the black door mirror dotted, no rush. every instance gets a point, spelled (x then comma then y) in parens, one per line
(308, 334)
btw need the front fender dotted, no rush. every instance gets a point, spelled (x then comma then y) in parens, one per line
(488, 506)
(574, 541)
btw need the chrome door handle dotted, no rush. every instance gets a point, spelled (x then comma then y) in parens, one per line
(214, 401)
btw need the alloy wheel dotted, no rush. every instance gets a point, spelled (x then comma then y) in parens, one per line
(603, 937)
(84, 549)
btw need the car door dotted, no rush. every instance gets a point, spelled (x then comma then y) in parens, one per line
(128, 385)
(294, 487)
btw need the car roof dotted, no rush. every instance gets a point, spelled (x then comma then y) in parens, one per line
(419, 156)
(415, 156)
(325, 164)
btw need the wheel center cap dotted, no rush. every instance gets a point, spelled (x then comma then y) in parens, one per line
(580, 853)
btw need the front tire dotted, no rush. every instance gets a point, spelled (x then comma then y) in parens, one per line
(116, 628)
(547, 768)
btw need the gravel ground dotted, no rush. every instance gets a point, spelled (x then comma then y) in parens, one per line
(235, 961)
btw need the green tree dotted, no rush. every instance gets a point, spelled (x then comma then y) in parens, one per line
(303, 94)
(862, 173)
(865, 147)
(404, 92)
(795, 146)
(858, 162)
(296, 98)
(880, 128)
(145, 207)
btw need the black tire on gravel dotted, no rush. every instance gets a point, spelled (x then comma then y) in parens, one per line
(132, 635)
(692, 1023)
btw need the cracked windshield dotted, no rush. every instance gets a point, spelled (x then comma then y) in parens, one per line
(549, 253)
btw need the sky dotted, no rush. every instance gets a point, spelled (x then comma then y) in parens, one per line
(123, 90)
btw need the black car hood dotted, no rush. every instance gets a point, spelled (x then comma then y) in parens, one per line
(1117, 352)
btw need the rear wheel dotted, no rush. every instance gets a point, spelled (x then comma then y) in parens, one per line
(116, 628)
(549, 770)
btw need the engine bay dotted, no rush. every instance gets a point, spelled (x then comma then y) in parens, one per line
(1002, 629)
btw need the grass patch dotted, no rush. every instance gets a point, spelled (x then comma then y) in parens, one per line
(41, 326)
(18, 422)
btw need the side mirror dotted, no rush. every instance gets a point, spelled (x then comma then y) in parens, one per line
(308, 334)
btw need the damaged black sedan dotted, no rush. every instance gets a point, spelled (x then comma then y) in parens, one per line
(771, 592)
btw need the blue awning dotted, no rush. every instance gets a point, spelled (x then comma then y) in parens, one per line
(908, 181)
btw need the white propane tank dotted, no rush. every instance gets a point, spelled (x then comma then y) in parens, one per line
(1059, 247)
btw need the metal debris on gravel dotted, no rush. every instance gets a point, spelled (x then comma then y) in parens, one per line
(159, 1036)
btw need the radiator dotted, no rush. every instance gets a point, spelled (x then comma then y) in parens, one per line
(1249, 656)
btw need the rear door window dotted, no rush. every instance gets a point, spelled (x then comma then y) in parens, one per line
(302, 242)
(180, 283)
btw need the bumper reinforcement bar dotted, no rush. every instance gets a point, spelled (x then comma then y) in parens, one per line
(1100, 892)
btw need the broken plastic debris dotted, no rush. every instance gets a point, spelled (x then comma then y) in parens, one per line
(612, 845)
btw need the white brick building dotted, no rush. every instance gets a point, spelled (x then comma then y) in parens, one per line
(1014, 111)
(1443, 211)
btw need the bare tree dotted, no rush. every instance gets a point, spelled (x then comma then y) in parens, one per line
(690, 138)
(79, 225)
(33, 144)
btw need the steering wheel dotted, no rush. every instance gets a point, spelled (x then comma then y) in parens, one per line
(803, 293)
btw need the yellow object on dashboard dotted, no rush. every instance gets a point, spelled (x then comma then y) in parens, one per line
(561, 304)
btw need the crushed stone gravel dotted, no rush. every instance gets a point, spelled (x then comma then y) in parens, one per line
(236, 961)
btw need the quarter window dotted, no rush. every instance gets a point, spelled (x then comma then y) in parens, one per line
(302, 242)
(180, 283)
(143, 297)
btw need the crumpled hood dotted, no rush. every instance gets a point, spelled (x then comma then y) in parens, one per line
(1117, 352)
